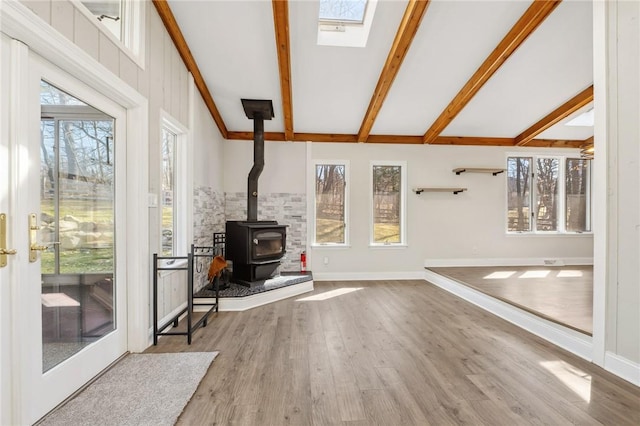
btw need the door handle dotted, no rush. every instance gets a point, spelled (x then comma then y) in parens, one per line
(4, 251)
(34, 247)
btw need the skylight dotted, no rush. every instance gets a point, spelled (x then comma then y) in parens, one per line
(347, 11)
(345, 23)
(585, 119)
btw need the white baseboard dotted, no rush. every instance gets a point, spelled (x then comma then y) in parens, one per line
(255, 300)
(524, 261)
(571, 340)
(367, 276)
(622, 367)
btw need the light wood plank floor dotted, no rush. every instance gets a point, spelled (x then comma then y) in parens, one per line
(392, 353)
(562, 294)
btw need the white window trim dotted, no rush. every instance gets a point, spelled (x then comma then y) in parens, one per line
(312, 180)
(182, 200)
(344, 34)
(133, 32)
(563, 157)
(403, 204)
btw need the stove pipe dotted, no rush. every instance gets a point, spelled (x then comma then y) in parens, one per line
(258, 111)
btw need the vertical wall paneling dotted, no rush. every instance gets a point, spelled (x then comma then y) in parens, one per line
(86, 35)
(109, 54)
(62, 15)
(42, 8)
(128, 70)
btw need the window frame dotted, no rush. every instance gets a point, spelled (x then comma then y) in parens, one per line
(133, 30)
(403, 204)
(347, 180)
(561, 195)
(181, 199)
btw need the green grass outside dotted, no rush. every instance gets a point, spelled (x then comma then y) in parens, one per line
(332, 231)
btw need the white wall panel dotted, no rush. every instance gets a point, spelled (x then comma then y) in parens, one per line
(62, 14)
(109, 54)
(128, 70)
(86, 35)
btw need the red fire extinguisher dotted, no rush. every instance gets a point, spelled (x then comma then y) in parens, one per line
(303, 261)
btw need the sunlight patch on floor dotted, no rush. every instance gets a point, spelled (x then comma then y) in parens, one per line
(569, 273)
(329, 294)
(58, 300)
(535, 274)
(575, 379)
(499, 275)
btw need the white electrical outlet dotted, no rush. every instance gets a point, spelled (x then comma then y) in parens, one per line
(326, 260)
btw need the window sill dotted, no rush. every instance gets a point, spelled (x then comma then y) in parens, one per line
(388, 246)
(549, 234)
(330, 246)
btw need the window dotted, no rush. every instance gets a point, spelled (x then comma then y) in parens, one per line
(168, 191)
(388, 194)
(331, 195)
(345, 23)
(174, 200)
(548, 194)
(122, 21)
(349, 11)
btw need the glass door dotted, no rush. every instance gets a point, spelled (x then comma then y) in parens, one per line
(76, 224)
(70, 202)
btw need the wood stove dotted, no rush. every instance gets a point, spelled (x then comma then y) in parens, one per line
(255, 247)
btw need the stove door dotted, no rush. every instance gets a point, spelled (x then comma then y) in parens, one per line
(267, 244)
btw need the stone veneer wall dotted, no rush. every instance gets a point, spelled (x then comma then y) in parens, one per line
(287, 208)
(208, 217)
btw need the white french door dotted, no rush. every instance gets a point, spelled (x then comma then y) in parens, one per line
(66, 202)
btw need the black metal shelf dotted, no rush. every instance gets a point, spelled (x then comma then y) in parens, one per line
(437, 189)
(191, 326)
(494, 172)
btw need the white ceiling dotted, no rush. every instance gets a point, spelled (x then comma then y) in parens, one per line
(233, 43)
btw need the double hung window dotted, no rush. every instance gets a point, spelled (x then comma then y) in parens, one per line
(548, 194)
(388, 196)
(331, 203)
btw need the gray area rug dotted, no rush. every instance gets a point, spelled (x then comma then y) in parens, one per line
(142, 389)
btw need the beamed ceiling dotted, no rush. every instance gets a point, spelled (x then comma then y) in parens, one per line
(505, 73)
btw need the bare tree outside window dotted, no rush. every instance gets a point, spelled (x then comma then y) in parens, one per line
(387, 200)
(547, 194)
(519, 194)
(577, 191)
(330, 183)
(168, 192)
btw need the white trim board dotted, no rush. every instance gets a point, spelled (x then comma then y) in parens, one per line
(573, 341)
(622, 367)
(368, 276)
(243, 303)
(18, 22)
(524, 261)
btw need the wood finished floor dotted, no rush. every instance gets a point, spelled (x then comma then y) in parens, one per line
(560, 294)
(392, 353)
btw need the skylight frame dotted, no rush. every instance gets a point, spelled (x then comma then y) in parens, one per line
(342, 20)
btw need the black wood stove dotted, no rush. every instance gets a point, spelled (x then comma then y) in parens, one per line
(255, 247)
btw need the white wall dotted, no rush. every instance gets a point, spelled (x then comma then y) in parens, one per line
(284, 167)
(617, 270)
(442, 227)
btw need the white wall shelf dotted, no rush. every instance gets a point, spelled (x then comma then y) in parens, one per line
(494, 172)
(454, 190)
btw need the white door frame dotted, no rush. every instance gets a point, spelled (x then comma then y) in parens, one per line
(19, 23)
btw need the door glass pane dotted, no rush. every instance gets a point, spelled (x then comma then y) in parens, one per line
(518, 194)
(547, 194)
(330, 203)
(168, 191)
(77, 223)
(386, 204)
(577, 203)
